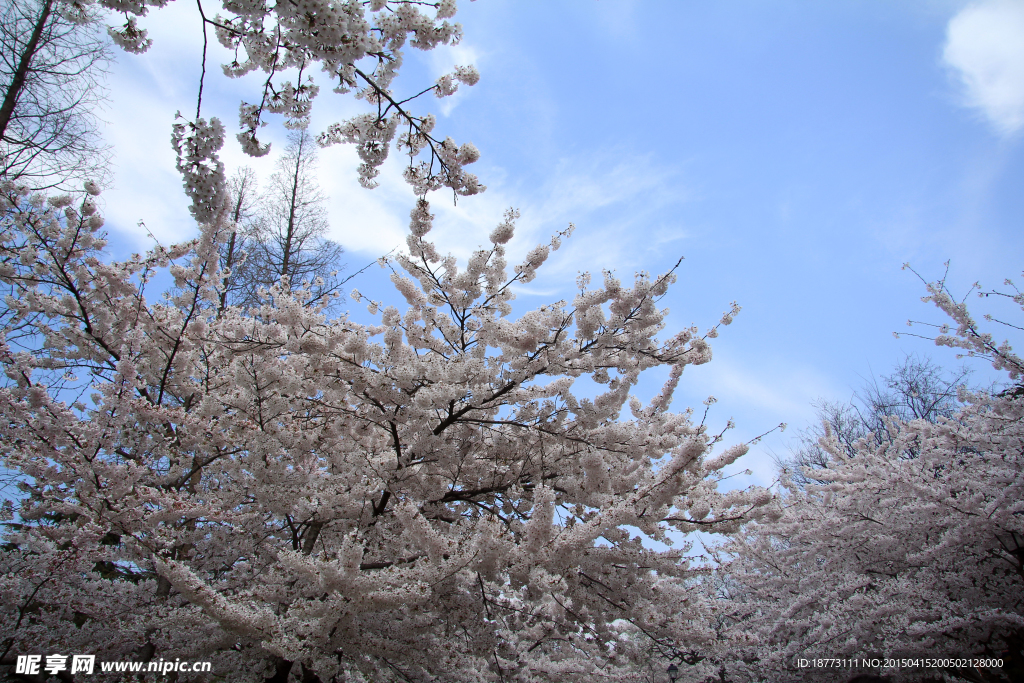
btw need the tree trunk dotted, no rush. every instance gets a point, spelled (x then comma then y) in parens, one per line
(282, 667)
(229, 258)
(290, 234)
(24, 65)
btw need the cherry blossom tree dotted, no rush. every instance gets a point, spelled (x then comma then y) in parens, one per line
(911, 546)
(294, 497)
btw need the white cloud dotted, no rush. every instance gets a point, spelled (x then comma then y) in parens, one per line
(371, 222)
(758, 393)
(985, 48)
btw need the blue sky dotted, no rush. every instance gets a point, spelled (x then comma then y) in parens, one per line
(796, 153)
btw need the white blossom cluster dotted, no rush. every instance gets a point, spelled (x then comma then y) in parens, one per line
(423, 498)
(372, 137)
(448, 84)
(912, 548)
(968, 335)
(130, 37)
(196, 145)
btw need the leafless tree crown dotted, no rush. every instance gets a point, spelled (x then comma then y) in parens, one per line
(916, 389)
(52, 63)
(281, 231)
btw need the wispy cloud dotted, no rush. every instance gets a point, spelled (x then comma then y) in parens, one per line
(985, 49)
(758, 395)
(616, 201)
(766, 395)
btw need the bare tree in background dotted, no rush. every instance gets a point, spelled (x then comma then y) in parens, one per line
(52, 60)
(281, 231)
(917, 388)
(244, 211)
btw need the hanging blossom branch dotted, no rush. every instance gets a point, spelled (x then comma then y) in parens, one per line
(344, 38)
(373, 134)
